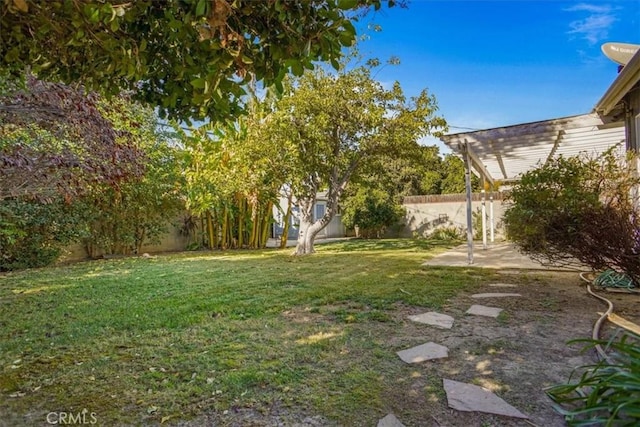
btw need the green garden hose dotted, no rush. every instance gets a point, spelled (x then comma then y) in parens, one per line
(613, 279)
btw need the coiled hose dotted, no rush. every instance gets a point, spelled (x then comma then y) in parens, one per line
(608, 279)
(613, 279)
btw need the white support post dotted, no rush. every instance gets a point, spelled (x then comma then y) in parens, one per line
(467, 179)
(484, 220)
(491, 224)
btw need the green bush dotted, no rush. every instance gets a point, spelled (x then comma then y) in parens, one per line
(606, 394)
(372, 211)
(112, 216)
(450, 233)
(32, 234)
(121, 219)
(578, 209)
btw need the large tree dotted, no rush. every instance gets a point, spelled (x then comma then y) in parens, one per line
(373, 201)
(453, 176)
(338, 122)
(191, 58)
(56, 141)
(76, 167)
(416, 170)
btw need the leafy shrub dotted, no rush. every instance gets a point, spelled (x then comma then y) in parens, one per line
(450, 233)
(578, 209)
(122, 219)
(32, 234)
(372, 211)
(606, 394)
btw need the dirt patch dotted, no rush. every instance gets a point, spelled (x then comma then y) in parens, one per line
(517, 355)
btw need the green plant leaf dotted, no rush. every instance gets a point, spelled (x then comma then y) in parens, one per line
(198, 83)
(201, 7)
(347, 4)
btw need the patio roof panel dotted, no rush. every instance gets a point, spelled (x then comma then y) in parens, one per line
(506, 153)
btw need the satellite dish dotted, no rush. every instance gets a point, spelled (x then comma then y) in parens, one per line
(620, 53)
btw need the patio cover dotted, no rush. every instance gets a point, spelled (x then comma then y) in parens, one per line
(507, 152)
(504, 154)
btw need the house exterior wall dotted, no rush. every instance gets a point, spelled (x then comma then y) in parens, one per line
(335, 228)
(632, 119)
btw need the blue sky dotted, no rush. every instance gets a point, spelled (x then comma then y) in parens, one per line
(497, 63)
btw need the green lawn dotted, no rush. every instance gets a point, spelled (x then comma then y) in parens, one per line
(145, 341)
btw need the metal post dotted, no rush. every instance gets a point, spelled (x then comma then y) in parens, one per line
(467, 180)
(484, 220)
(491, 225)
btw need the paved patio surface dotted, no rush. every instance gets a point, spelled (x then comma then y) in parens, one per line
(497, 255)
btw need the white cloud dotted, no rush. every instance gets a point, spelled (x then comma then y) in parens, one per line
(594, 27)
(589, 8)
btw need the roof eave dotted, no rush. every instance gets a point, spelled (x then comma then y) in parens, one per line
(626, 80)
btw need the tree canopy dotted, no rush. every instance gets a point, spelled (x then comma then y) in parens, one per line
(338, 123)
(56, 140)
(78, 168)
(191, 58)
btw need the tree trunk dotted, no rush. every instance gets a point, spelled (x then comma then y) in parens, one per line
(253, 237)
(241, 220)
(225, 226)
(140, 236)
(266, 221)
(309, 228)
(285, 229)
(210, 231)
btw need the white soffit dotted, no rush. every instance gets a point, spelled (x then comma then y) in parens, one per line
(626, 80)
(510, 151)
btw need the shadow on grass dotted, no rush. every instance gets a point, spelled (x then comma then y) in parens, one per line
(170, 335)
(365, 245)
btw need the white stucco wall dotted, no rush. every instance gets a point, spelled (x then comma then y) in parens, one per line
(421, 219)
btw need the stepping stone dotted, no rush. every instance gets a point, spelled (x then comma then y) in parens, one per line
(433, 319)
(503, 285)
(495, 295)
(428, 351)
(483, 310)
(471, 398)
(390, 421)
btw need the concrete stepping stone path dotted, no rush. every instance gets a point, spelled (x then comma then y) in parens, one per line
(390, 421)
(483, 310)
(460, 396)
(424, 352)
(434, 319)
(472, 398)
(495, 295)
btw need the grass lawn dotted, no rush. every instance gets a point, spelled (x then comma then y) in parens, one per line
(160, 340)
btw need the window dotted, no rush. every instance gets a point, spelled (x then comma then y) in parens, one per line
(319, 211)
